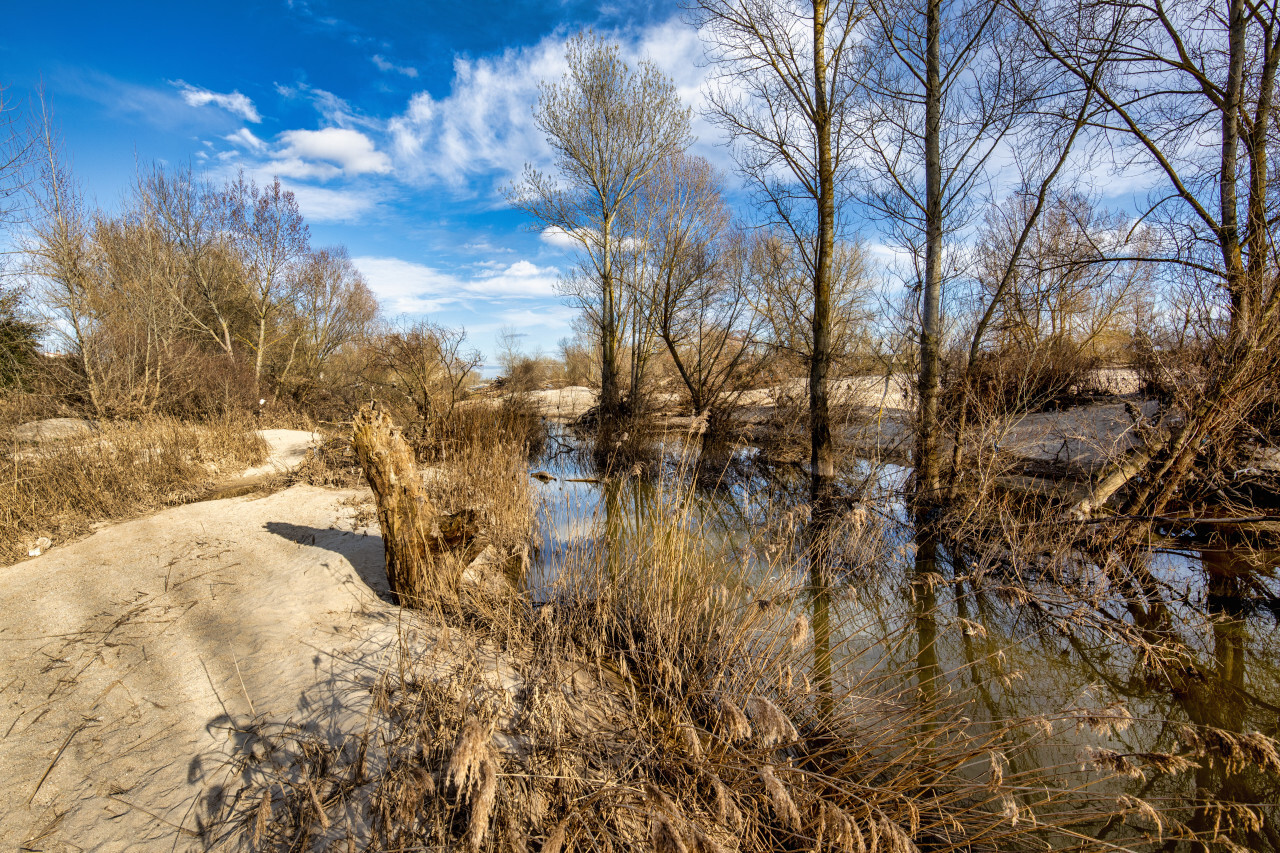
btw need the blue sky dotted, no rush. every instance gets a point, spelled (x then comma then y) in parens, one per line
(396, 124)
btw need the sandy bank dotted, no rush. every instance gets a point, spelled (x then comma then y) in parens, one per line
(125, 656)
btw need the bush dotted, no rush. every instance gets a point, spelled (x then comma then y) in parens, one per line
(19, 342)
(1017, 379)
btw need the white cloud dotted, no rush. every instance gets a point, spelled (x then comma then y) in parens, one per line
(350, 150)
(244, 138)
(521, 279)
(485, 126)
(302, 170)
(319, 204)
(385, 65)
(232, 102)
(560, 238)
(408, 287)
(405, 287)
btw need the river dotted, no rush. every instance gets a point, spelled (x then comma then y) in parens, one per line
(1096, 669)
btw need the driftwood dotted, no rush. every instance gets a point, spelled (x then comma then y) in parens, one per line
(405, 512)
(1110, 482)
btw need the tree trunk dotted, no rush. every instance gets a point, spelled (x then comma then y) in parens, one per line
(405, 512)
(610, 398)
(1229, 236)
(821, 461)
(927, 464)
(257, 364)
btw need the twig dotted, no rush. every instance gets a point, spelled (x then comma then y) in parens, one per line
(243, 689)
(153, 815)
(83, 725)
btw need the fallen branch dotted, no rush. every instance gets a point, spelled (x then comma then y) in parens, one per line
(1115, 480)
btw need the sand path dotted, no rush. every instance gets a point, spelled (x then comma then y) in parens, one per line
(128, 660)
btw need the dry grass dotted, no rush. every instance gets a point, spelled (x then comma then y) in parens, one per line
(58, 490)
(659, 697)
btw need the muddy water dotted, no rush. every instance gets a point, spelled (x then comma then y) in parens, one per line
(1124, 667)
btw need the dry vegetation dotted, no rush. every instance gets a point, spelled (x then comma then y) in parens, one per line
(668, 691)
(658, 695)
(60, 490)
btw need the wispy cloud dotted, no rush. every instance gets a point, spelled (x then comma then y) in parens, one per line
(244, 138)
(232, 102)
(333, 110)
(384, 64)
(321, 204)
(408, 287)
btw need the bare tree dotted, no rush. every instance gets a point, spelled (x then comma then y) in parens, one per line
(270, 237)
(105, 282)
(510, 350)
(332, 307)
(18, 335)
(933, 119)
(780, 289)
(579, 366)
(1076, 284)
(784, 95)
(429, 364)
(1203, 71)
(609, 127)
(693, 281)
(193, 218)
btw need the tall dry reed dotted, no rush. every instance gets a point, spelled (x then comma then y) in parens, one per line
(657, 696)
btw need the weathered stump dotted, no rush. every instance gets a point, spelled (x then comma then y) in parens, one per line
(405, 512)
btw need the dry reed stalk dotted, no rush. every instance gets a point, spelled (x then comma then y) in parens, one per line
(482, 800)
(772, 727)
(780, 799)
(470, 752)
(731, 723)
(262, 818)
(664, 836)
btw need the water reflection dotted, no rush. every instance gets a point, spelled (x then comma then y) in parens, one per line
(1135, 662)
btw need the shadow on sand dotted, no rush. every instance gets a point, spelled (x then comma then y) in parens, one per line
(364, 551)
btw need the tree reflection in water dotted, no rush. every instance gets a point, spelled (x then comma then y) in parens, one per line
(1131, 658)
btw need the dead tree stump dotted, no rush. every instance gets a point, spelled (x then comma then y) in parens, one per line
(404, 511)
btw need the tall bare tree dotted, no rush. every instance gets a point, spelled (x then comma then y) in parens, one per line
(608, 126)
(783, 91)
(1204, 71)
(270, 238)
(941, 100)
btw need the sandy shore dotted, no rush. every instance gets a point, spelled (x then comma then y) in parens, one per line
(127, 655)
